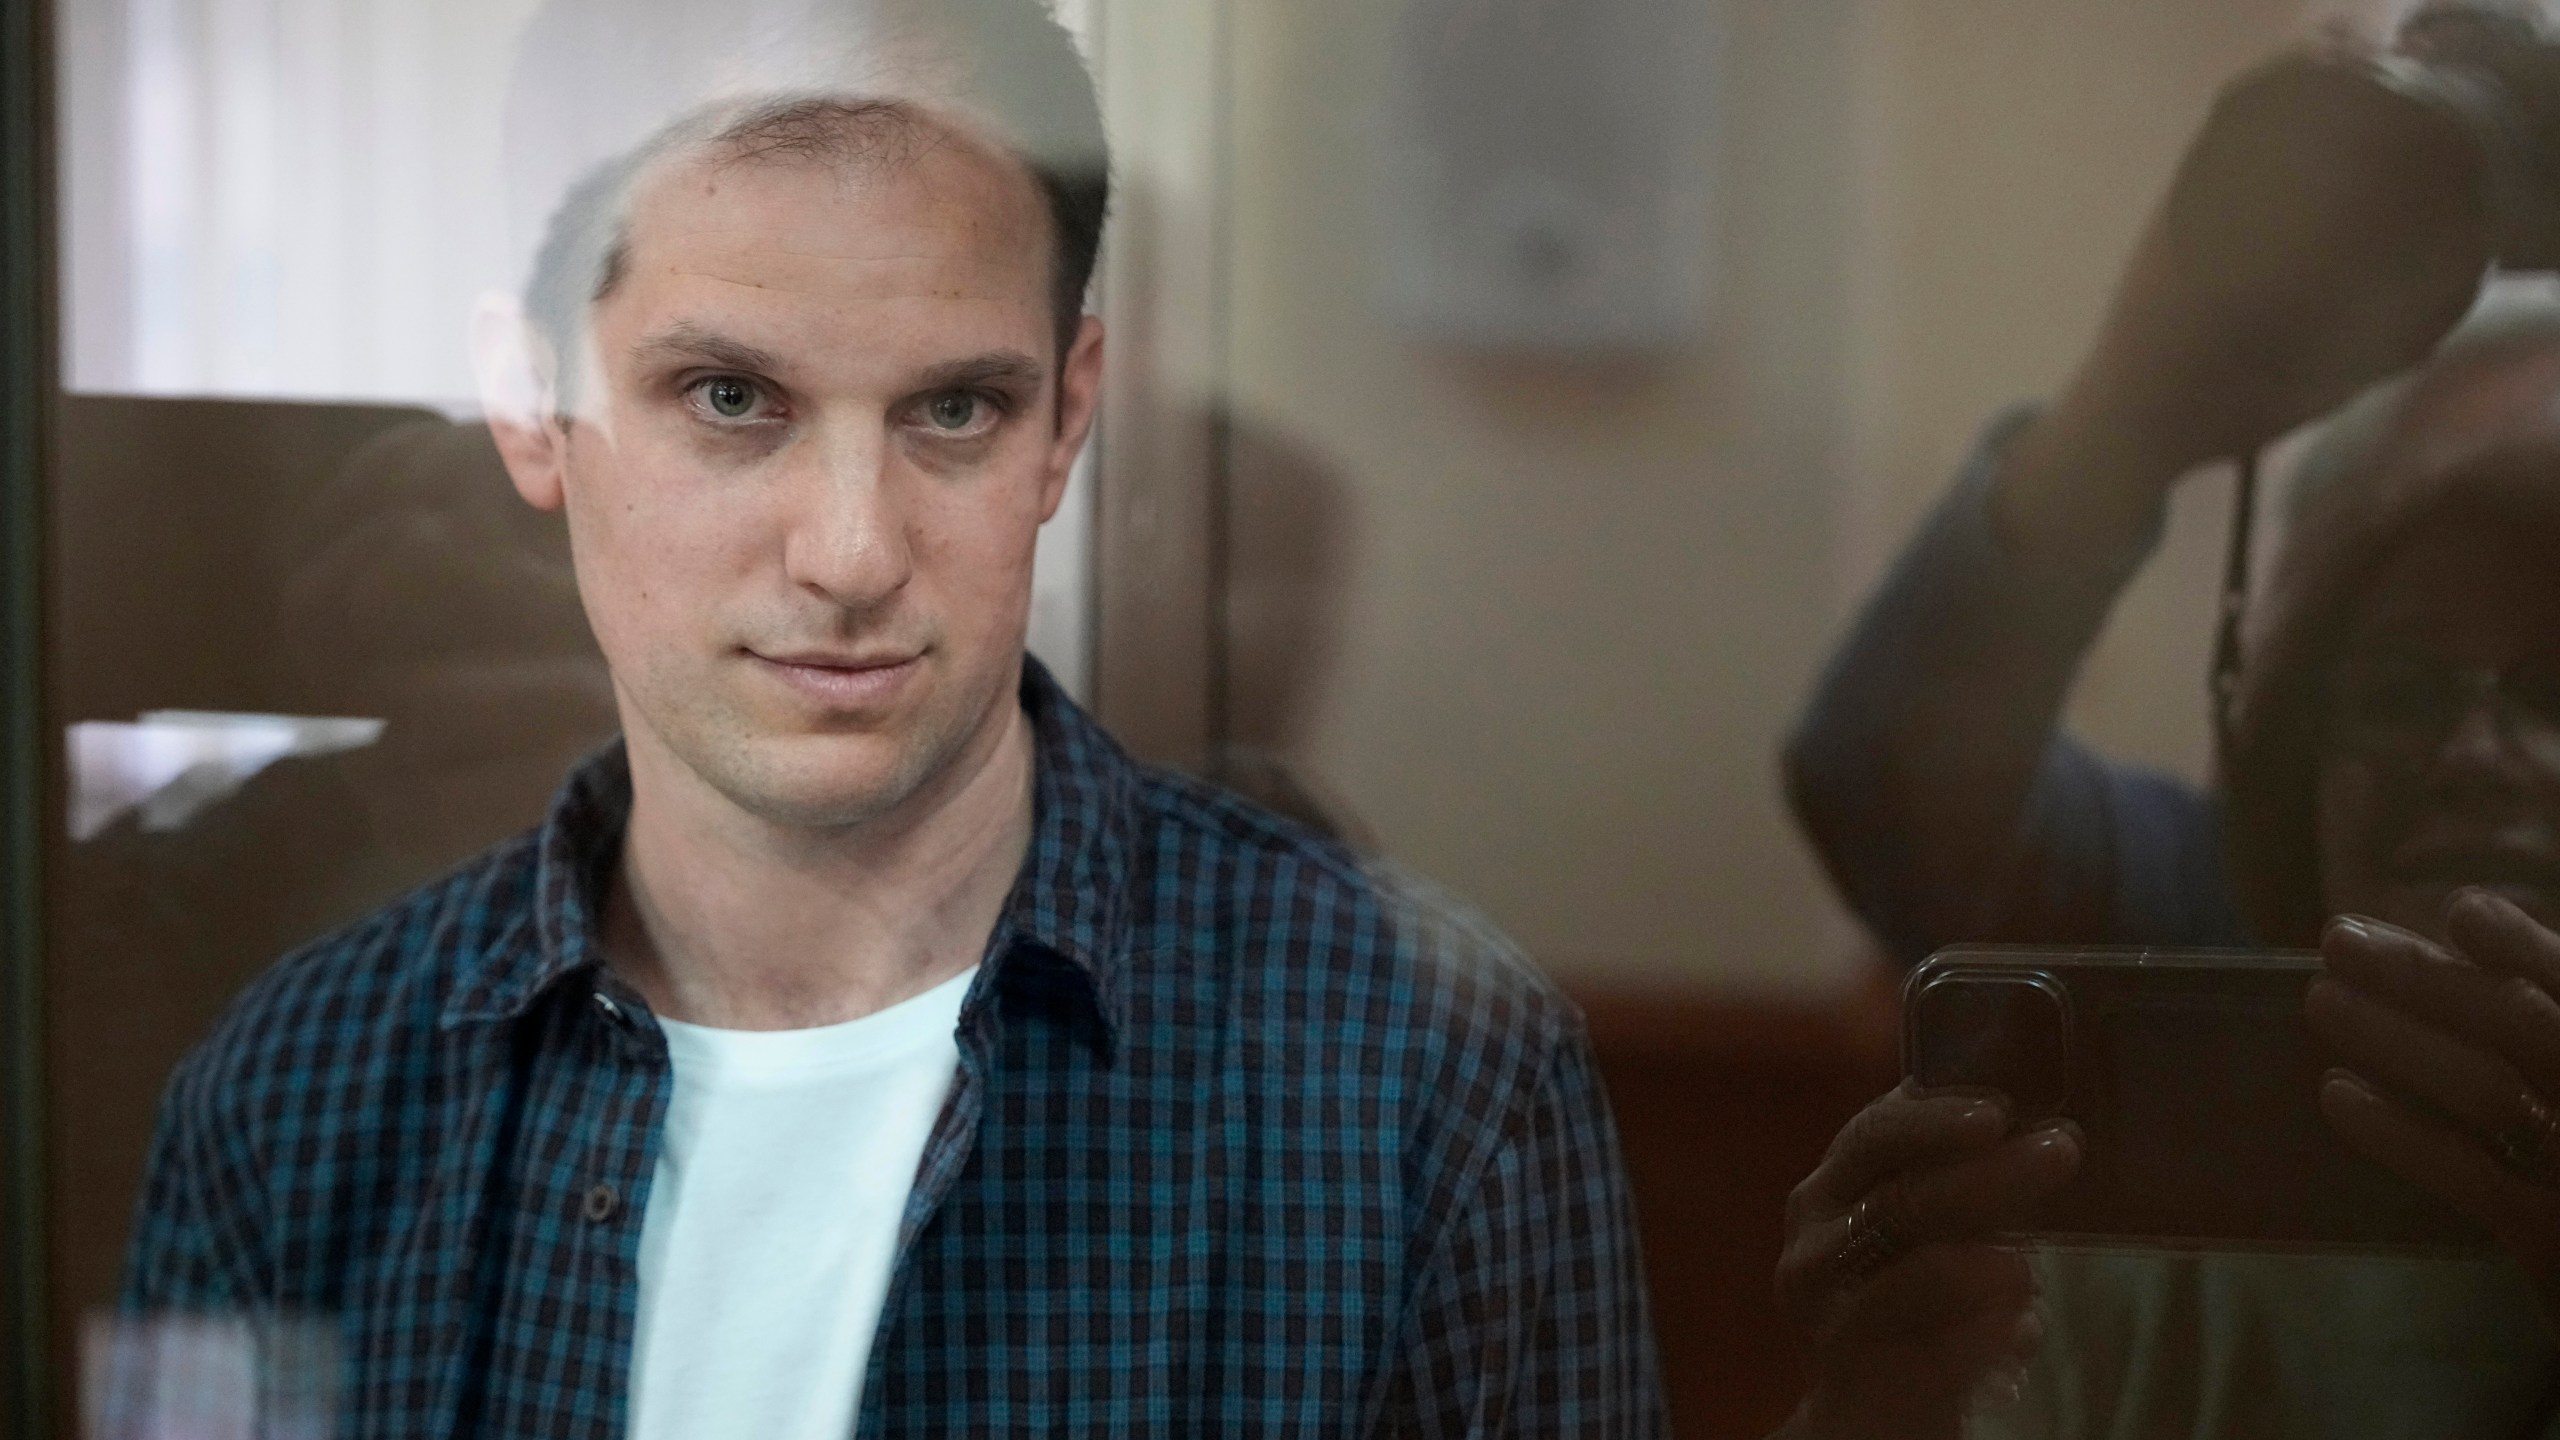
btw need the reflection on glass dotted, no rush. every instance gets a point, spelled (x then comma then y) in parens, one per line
(2318, 259)
(171, 764)
(1568, 373)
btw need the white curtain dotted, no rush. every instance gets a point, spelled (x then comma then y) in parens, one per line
(282, 198)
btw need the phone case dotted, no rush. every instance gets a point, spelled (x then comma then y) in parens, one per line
(2196, 1083)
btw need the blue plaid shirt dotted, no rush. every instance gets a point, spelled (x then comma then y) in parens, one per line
(1245, 1140)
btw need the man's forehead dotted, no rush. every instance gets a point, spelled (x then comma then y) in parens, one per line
(942, 217)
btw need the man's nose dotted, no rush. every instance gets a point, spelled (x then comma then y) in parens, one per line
(2479, 748)
(847, 539)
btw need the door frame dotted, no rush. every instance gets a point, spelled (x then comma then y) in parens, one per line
(1165, 69)
(27, 384)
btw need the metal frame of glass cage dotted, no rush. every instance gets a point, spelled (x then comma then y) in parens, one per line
(26, 391)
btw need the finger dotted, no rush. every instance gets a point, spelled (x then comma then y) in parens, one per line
(2469, 1081)
(1935, 1288)
(2495, 1007)
(2409, 970)
(2524, 1218)
(1903, 1129)
(2495, 933)
(1993, 1192)
(1961, 1203)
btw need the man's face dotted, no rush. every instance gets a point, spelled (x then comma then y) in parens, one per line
(2441, 767)
(826, 421)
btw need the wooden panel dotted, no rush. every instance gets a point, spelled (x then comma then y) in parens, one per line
(308, 559)
(1723, 1105)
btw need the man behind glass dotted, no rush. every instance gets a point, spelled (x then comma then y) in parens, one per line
(865, 1044)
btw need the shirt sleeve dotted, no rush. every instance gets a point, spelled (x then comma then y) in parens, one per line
(1530, 1318)
(195, 1241)
(1930, 772)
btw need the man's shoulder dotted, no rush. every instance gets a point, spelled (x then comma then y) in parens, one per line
(1326, 935)
(357, 993)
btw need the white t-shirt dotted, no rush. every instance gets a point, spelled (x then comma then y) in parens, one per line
(772, 1222)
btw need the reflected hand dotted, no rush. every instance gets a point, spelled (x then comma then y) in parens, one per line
(1891, 1271)
(2452, 1067)
(2322, 233)
(2517, 56)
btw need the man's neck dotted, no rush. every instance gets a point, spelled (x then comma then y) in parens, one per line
(724, 919)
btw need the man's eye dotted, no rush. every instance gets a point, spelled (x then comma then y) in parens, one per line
(956, 412)
(728, 397)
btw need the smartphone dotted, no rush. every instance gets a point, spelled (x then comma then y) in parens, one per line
(2194, 1078)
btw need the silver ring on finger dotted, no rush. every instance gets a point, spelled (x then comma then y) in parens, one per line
(2530, 1148)
(1879, 1234)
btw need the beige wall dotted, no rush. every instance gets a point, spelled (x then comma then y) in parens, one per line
(1578, 601)
(1547, 623)
(2012, 149)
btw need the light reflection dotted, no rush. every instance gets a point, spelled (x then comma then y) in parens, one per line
(170, 765)
(193, 1377)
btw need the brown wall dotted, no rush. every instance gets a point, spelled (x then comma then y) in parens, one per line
(272, 557)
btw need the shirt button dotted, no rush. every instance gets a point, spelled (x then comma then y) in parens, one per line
(601, 1203)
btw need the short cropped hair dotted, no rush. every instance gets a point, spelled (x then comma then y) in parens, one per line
(1005, 71)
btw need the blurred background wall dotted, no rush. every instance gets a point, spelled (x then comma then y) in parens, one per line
(1542, 622)
(1580, 600)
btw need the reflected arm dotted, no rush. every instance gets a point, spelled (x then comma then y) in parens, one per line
(1930, 772)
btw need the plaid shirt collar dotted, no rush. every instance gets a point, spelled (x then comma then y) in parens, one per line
(1065, 901)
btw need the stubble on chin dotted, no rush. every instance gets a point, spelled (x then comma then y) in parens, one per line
(782, 771)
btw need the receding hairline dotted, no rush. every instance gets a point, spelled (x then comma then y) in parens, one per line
(1003, 74)
(875, 137)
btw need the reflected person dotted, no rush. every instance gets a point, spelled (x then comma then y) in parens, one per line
(865, 1044)
(2393, 754)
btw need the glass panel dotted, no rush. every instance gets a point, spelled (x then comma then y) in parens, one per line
(1747, 495)
(309, 647)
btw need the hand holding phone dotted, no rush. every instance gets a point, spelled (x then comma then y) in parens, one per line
(2197, 1085)
(2451, 1065)
(1893, 1271)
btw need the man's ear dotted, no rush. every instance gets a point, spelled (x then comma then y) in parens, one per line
(1079, 399)
(519, 395)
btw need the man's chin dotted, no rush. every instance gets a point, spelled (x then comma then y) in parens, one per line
(818, 782)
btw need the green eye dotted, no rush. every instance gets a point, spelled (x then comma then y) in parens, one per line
(730, 399)
(952, 410)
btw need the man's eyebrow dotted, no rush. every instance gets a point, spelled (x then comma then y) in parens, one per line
(687, 342)
(999, 370)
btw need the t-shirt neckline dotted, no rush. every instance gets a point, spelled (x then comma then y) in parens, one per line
(874, 1041)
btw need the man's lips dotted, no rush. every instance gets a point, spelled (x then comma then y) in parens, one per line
(842, 679)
